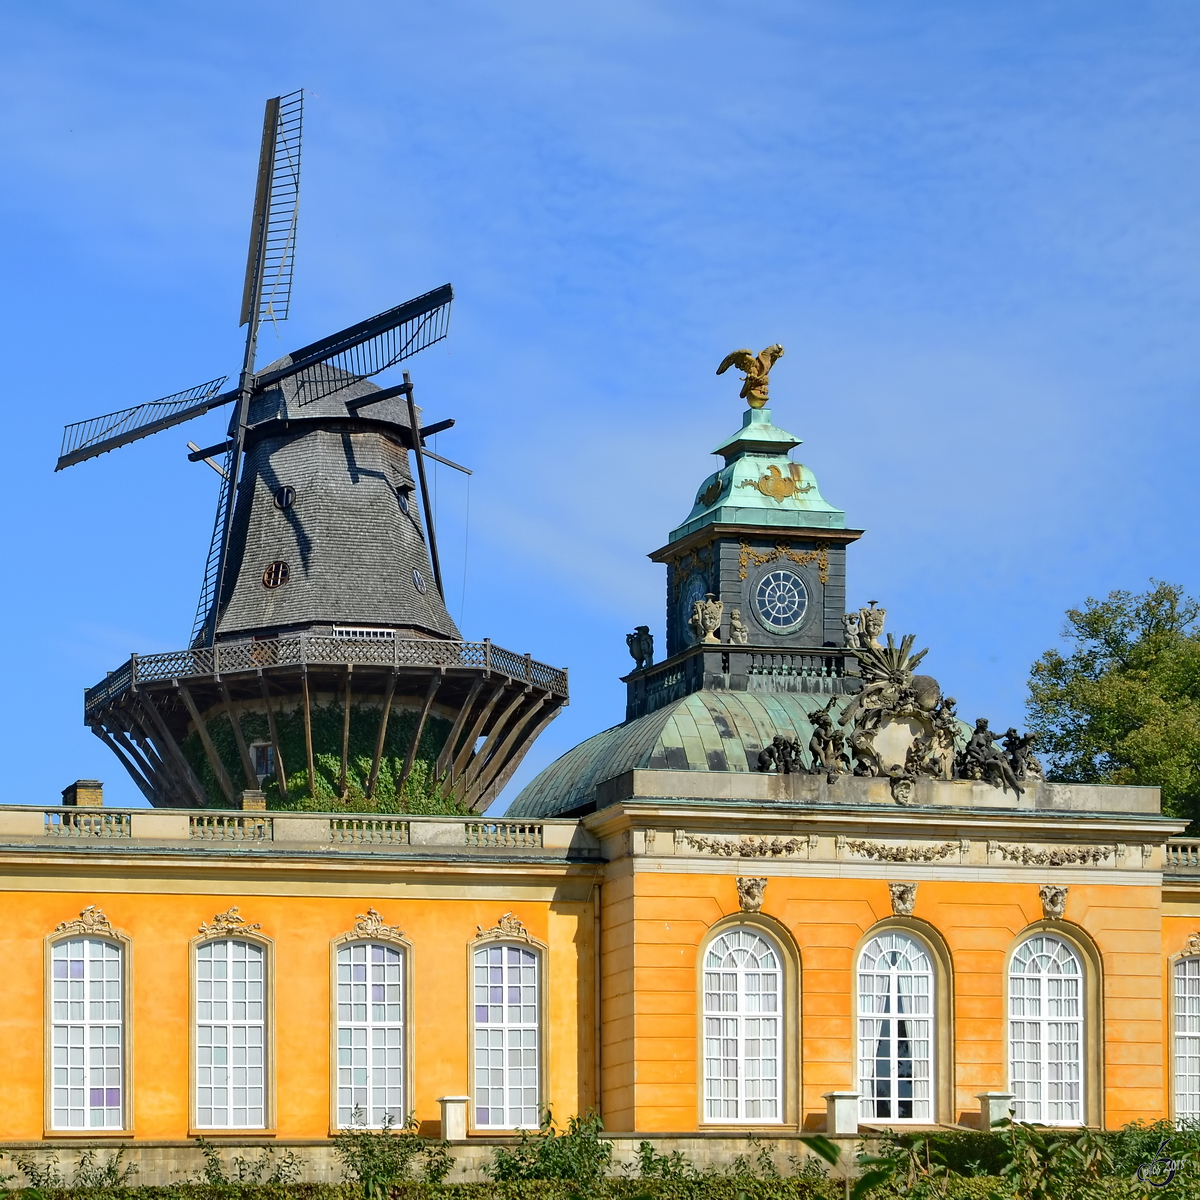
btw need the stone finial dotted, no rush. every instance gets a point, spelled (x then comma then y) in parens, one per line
(750, 893)
(904, 898)
(994, 1107)
(1054, 901)
(706, 619)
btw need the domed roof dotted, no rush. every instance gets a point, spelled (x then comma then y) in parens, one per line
(706, 731)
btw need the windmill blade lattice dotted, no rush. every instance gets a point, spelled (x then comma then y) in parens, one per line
(279, 191)
(206, 607)
(86, 439)
(367, 348)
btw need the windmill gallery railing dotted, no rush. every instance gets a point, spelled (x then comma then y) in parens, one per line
(226, 658)
(495, 701)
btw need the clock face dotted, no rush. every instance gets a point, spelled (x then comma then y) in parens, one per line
(696, 589)
(781, 600)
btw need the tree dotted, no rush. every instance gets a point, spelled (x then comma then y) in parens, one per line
(1124, 705)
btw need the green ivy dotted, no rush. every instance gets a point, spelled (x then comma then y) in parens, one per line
(422, 792)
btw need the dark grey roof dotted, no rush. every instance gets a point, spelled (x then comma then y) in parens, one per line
(350, 548)
(293, 400)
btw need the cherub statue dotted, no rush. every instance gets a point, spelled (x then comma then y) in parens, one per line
(739, 635)
(982, 759)
(850, 630)
(1020, 755)
(641, 646)
(756, 368)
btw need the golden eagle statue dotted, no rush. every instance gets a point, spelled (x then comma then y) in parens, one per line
(756, 368)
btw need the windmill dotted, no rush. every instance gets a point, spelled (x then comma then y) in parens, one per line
(318, 370)
(314, 592)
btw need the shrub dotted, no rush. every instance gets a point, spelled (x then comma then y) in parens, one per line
(378, 1158)
(576, 1154)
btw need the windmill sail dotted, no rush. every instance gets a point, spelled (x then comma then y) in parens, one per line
(367, 348)
(206, 608)
(276, 208)
(86, 439)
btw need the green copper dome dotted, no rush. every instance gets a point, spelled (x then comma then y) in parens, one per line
(706, 731)
(759, 484)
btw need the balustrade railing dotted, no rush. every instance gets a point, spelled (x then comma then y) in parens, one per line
(87, 824)
(1182, 855)
(306, 650)
(218, 827)
(513, 835)
(368, 831)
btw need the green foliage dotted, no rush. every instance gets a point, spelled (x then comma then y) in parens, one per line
(575, 1154)
(422, 791)
(266, 1168)
(378, 1158)
(1123, 706)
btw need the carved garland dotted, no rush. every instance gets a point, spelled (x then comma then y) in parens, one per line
(226, 923)
(370, 925)
(801, 558)
(90, 920)
(748, 847)
(507, 928)
(699, 558)
(899, 854)
(1068, 856)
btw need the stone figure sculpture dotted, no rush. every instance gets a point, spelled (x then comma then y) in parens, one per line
(706, 618)
(1020, 755)
(755, 369)
(981, 759)
(641, 646)
(750, 893)
(1054, 901)
(945, 733)
(850, 630)
(782, 755)
(904, 898)
(827, 746)
(739, 635)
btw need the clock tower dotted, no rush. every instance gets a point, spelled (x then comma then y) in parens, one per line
(756, 580)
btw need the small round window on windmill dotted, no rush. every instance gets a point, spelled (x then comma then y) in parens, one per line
(285, 497)
(418, 581)
(276, 575)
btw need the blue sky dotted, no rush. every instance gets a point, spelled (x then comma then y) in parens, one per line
(974, 228)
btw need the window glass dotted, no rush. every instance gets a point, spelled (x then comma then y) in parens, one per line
(230, 1035)
(1045, 1032)
(742, 1028)
(507, 1037)
(87, 1089)
(370, 1035)
(1187, 1039)
(895, 1029)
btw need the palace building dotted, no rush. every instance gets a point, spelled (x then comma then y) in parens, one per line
(790, 891)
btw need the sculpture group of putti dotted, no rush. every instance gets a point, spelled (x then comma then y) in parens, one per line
(705, 624)
(893, 693)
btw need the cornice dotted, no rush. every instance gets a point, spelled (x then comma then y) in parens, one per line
(778, 533)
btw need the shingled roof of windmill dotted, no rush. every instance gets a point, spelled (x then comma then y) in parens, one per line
(351, 535)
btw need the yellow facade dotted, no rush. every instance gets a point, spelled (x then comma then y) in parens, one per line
(620, 908)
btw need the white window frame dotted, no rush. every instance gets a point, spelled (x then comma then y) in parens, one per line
(234, 1016)
(360, 1027)
(1027, 1006)
(76, 1030)
(733, 1018)
(1185, 1035)
(499, 1036)
(920, 1013)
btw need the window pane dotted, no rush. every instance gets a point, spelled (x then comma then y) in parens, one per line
(507, 1037)
(230, 1035)
(742, 1031)
(1187, 1039)
(370, 1036)
(87, 1036)
(895, 1029)
(1045, 1032)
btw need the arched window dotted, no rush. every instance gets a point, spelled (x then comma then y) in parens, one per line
(895, 1029)
(370, 1034)
(87, 1035)
(743, 1034)
(507, 1037)
(1045, 1032)
(1187, 1039)
(230, 1035)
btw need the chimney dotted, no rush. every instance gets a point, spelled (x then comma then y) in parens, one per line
(84, 793)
